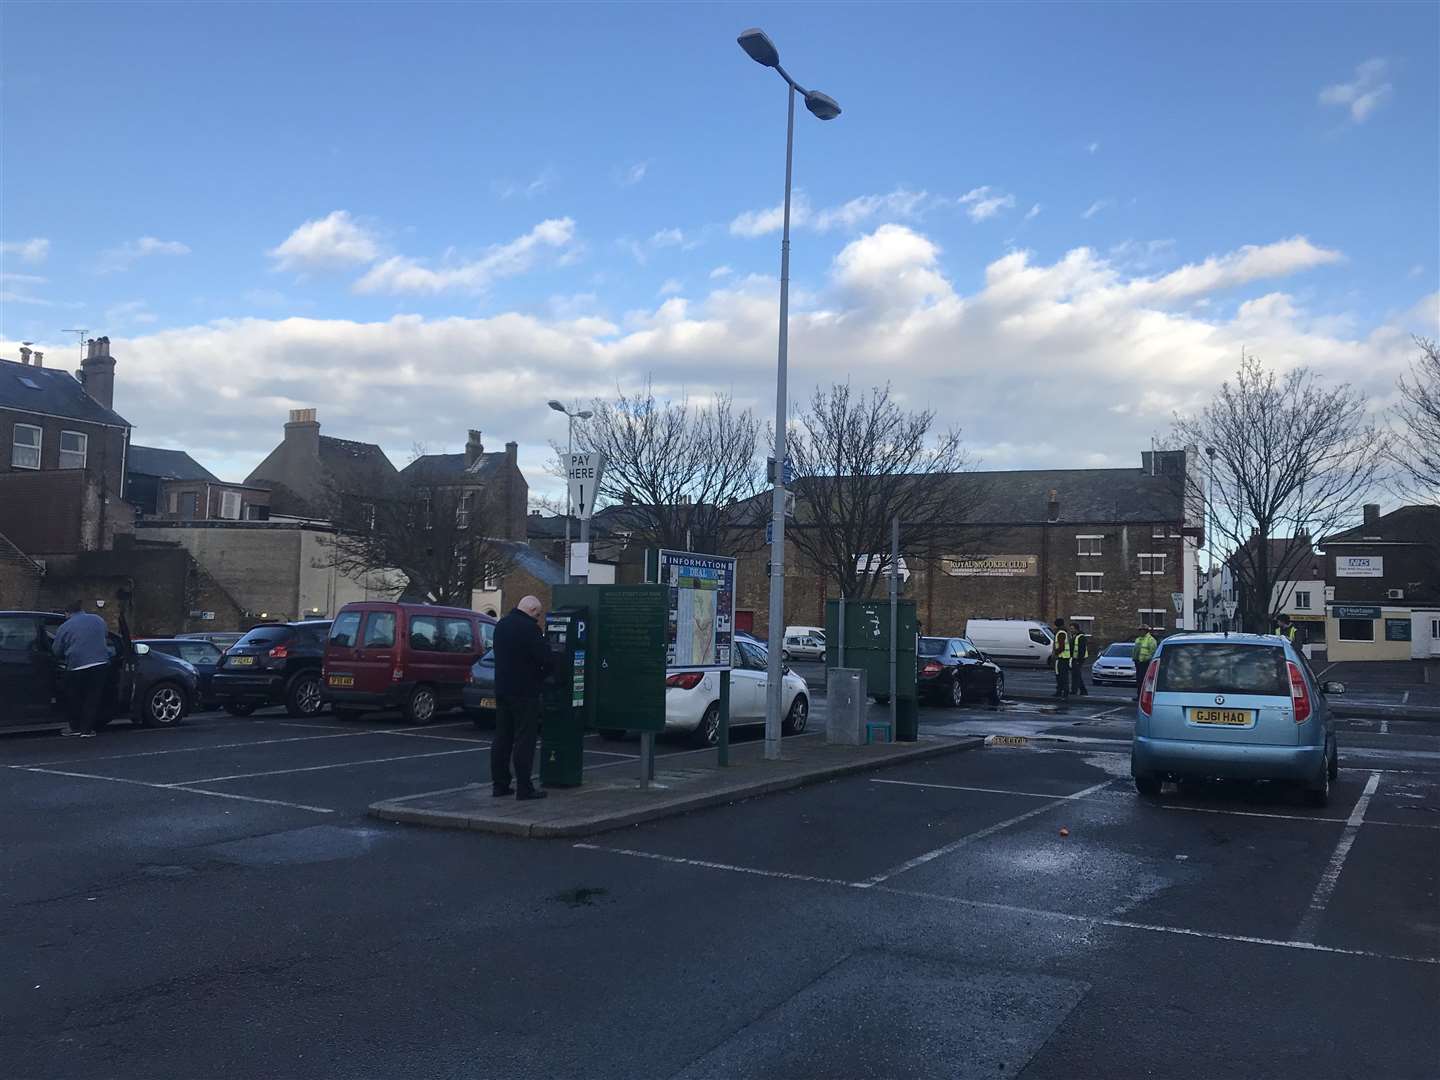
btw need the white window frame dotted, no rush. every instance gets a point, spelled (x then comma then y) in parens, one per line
(1302, 600)
(226, 504)
(84, 450)
(1084, 623)
(1162, 556)
(16, 446)
(1339, 634)
(1079, 583)
(174, 502)
(1153, 617)
(1157, 532)
(1080, 545)
(1435, 629)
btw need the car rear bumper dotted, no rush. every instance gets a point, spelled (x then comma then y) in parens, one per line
(1233, 761)
(246, 689)
(477, 699)
(1112, 675)
(392, 697)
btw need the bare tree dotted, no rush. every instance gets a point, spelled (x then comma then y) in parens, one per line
(436, 535)
(1293, 458)
(861, 461)
(681, 469)
(1415, 450)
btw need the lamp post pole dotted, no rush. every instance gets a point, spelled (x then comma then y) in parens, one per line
(761, 49)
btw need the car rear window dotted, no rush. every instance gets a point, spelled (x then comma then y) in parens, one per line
(931, 646)
(266, 636)
(1121, 648)
(1216, 668)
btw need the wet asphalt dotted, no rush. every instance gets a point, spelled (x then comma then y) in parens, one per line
(212, 902)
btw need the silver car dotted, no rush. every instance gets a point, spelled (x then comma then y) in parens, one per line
(1234, 706)
(806, 646)
(1115, 664)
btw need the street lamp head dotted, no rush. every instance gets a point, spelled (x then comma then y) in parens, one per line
(759, 47)
(822, 105)
(556, 406)
(584, 414)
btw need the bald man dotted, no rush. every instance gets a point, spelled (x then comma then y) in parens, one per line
(521, 663)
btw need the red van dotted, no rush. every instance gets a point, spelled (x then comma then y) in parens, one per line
(412, 657)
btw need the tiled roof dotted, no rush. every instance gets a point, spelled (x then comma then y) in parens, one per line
(166, 464)
(52, 391)
(1414, 524)
(450, 468)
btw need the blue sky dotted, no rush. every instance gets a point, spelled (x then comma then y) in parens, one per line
(512, 202)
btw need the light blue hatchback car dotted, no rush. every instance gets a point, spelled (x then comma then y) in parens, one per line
(1233, 706)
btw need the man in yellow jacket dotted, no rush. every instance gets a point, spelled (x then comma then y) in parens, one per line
(1145, 646)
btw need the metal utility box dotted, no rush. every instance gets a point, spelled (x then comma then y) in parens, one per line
(867, 646)
(567, 697)
(624, 653)
(846, 703)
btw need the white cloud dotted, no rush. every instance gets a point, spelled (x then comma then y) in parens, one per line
(1093, 147)
(1095, 208)
(129, 312)
(327, 243)
(667, 238)
(401, 274)
(23, 279)
(632, 174)
(130, 252)
(887, 312)
(671, 287)
(900, 203)
(33, 250)
(1033, 212)
(1363, 94)
(720, 272)
(509, 189)
(1417, 270)
(983, 203)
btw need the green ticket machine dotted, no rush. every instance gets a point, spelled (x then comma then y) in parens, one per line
(566, 699)
(860, 632)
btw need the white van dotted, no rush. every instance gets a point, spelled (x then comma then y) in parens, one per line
(1012, 641)
(803, 643)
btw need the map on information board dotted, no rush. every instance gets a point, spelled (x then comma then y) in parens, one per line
(701, 619)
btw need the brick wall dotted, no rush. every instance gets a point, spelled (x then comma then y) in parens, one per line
(19, 578)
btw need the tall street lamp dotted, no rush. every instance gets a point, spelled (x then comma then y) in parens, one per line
(761, 49)
(583, 414)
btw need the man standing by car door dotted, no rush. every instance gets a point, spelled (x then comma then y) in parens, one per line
(521, 663)
(80, 646)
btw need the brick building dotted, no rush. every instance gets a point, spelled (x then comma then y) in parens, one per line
(173, 486)
(19, 578)
(62, 454)
(319, 477)
(1383, 586)
(488, 489)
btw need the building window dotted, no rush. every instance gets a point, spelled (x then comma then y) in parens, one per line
(1153, 618)
(1435, 629)
(1084, 624)
(1357, 629)
(1157, 532)
(73, 445)
(462, 510)
(1302, 600)
(230, 505)
(1088, 545)
(1089, 582)
(25, 447)
(1152, 564)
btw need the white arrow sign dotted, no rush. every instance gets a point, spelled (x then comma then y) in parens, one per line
(583, 475)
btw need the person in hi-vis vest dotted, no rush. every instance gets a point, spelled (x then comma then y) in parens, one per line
(1060, 651)
(1079, 653)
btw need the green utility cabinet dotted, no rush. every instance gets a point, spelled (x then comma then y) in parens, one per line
(566, 700)
(867, 646)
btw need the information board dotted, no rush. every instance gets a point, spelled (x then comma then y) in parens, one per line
(700, 625)
(631, 678)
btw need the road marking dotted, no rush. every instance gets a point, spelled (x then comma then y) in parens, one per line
(983, 790)
(1385, 727)
(1007, 740)
(1111, 712)
(970, 838)
(1320, 899)
(686, 753)
(1296, 817)
(322, 768)
(174, 787)
(1405, 700)
(1013, 909)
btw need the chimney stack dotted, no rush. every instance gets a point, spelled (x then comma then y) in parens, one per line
(303, 430)
(512, 452)
(1372, 513)
(39, 358)
(98, 371)
(1052, 507)
(25, 355)
(473, 449)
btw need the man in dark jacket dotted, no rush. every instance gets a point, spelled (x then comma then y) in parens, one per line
(522, 660)
(81, 646)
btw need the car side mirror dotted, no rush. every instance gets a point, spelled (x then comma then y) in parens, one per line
(141, 649)
(1333, 688)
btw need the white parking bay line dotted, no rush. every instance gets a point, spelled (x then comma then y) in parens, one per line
(982, 790)
(970, 838)
(706, 864)
(174, 787)
(1320, 899)
(322, 768)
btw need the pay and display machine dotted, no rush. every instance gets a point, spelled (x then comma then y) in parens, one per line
(566, 699)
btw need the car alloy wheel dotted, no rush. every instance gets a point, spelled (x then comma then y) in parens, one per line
(999, 691)
(164, 705)
(421, 708)
(797, 718)
(707, 732)
(307, 696)
(957, 692)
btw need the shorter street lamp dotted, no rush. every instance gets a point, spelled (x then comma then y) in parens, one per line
(583, 414)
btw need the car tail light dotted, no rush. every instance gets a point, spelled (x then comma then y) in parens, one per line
(932, 667)
(1147, 691)
(1299, 694)
(279, 652)
(686, 680)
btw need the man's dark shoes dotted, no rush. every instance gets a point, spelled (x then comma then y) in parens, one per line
(500, 792)
(521, 796)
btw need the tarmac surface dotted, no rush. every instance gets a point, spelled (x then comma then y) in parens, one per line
(212, 901)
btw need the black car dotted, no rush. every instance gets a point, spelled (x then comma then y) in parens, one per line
(951, 671)
(221, 639)
(274, 664)
(204, 656)
(477, 696)
(147, 686)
